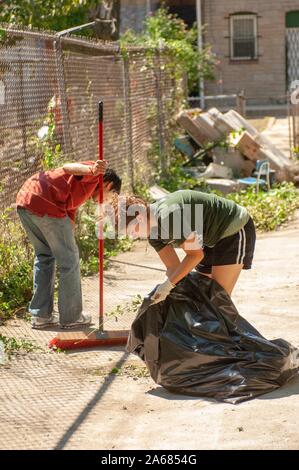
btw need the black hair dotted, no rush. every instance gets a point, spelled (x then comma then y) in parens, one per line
(111, 176)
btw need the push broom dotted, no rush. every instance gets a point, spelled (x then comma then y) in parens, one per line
(100, 337)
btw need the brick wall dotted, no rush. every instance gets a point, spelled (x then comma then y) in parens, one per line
(263, 79)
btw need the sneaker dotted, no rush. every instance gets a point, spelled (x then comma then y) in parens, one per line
(38, 323)
(83, 320)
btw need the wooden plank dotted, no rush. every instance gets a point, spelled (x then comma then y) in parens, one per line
(247, 145)
(187, 122)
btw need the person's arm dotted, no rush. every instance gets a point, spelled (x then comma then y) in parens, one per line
(194, 254)
(81, 169)
(169, 258)
(176, 269)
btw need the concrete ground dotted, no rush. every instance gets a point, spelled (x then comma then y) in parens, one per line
(278, 132)
(104, 399)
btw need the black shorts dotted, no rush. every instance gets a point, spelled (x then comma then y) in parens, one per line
(236, 249)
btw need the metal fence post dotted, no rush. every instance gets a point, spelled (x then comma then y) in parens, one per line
(63, 96)
(161, 137)
(290, 121)
(128, 117)
(241, 103)
(295, 112)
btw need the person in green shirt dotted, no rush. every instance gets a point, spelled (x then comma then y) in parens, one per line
(216, 234)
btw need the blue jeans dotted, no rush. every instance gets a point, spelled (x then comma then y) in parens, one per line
(54, 242)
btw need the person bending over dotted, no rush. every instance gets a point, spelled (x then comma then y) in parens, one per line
(216, 234)
(47, 204)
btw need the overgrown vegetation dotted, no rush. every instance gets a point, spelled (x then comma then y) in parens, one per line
(47, 14)
(46, 142)
(166, 30)
(14, 346)
(16, 259)
(269, 209)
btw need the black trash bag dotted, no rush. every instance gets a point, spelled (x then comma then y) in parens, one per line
(195, 343)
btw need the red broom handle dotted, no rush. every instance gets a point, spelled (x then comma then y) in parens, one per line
(100, 234)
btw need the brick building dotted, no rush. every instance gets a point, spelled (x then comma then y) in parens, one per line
(256, 43)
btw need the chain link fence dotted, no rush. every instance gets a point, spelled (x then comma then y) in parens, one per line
(293, 120)
(50, 87)
(292, 63)
(56, 82)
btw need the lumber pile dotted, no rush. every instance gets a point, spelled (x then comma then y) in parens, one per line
(245, 145)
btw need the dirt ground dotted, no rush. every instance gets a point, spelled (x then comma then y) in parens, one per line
(104, 399)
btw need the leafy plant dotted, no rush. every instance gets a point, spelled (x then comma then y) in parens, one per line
(126, 307)
(269, 209)
(46, 143)
(166, 30)
(173, 177)
(141, 189)
(46, 14)
(14, 345)
(15, 267)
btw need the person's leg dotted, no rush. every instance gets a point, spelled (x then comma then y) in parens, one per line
(227, 276)
(232, 254)
(205, 266)
(42, 302)
(60, 237)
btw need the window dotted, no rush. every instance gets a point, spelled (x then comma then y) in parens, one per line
(292, 19)
(243, 36)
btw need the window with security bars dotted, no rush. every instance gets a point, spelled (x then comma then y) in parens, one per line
(243, 37)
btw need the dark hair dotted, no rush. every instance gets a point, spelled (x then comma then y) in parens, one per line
(111, 176)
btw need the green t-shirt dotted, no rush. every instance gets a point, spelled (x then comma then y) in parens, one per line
(183, 212)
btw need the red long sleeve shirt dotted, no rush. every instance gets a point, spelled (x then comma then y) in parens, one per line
(56, 193)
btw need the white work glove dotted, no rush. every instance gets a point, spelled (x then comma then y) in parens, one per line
(162, 291)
